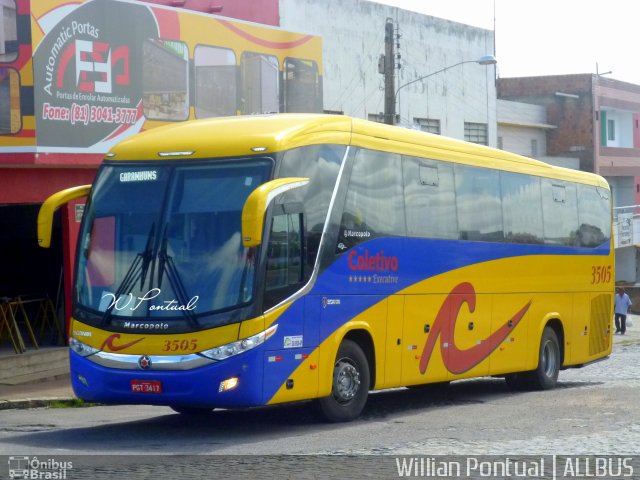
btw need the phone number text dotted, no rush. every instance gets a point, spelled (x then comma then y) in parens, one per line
(86, 114)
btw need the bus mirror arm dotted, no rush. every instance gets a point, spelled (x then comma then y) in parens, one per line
(50, 205)
(257, 203)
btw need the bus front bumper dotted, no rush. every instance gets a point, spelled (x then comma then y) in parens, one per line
(209, 386)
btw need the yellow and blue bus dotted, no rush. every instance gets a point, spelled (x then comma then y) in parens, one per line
(258, 260)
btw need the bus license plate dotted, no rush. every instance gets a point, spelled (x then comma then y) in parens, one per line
(146, 386)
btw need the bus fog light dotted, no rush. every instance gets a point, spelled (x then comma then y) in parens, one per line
(228, 384)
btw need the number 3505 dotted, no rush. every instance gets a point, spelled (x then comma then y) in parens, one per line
(600, 274)
(180, 345)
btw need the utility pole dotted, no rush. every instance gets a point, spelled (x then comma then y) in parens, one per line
(389, 77)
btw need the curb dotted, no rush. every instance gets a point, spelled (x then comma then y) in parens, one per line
(33, 402)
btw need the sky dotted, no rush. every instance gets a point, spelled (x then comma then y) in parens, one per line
(549, 37)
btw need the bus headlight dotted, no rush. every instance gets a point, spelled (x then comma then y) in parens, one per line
(234, 348)
(80, 348)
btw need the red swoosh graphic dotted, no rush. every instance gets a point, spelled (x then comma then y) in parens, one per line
(459, 361)
(262, 41)
(115, 348)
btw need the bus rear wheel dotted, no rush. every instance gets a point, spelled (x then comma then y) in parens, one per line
(350, 385)
(545, 376)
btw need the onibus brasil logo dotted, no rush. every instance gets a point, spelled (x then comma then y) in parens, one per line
(33, 467)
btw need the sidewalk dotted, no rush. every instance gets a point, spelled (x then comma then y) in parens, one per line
(632, 335)
(41, 394)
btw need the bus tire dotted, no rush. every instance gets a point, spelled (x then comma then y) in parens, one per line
(350, 385)
(545, 376)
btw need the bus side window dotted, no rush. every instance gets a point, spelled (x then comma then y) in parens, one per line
(560, 212)
(165, 79)
(479, 204)
(216, 81)
(374, 206)
(594, 216)
(430, 200)
(302, 92)
(284, 273)
(259, 76)
(10, 116)
(522, 208)
(8, 32)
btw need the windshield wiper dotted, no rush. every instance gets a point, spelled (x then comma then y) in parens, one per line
(166, 264)
(137, 269)
(148, 256)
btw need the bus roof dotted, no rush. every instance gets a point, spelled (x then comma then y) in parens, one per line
(253, 134)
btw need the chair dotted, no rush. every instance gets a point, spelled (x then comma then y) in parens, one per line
(9, 325)
(47, 319)
(20, 316)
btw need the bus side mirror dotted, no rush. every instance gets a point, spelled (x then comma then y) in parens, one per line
(257, 203)
(50, 205)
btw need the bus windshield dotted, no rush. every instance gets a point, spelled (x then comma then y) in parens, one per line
(165, 240)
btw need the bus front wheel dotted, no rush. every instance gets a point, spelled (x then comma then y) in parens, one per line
(350, 385)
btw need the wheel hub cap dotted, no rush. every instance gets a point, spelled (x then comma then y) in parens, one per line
(347, 382)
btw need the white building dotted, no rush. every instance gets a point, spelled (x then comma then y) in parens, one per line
(459, 102)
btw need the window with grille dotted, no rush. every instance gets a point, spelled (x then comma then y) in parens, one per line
(430, 125)
(476, 133)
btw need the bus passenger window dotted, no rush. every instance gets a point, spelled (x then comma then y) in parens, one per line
(216, 82)
(479, 204)
(302, 92)
(374, 206)
(260, 84)
(165, 92)
(521, 208)
(8, 32)
(594, 209)
(10, 121)
(560, 212)
(430, 200)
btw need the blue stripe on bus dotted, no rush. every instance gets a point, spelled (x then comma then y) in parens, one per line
(419, 259)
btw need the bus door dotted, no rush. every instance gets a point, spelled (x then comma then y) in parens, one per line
(293, 364)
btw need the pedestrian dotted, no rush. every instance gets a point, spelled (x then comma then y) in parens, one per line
(622, 305)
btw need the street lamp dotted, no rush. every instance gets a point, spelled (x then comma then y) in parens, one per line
(484, 60)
